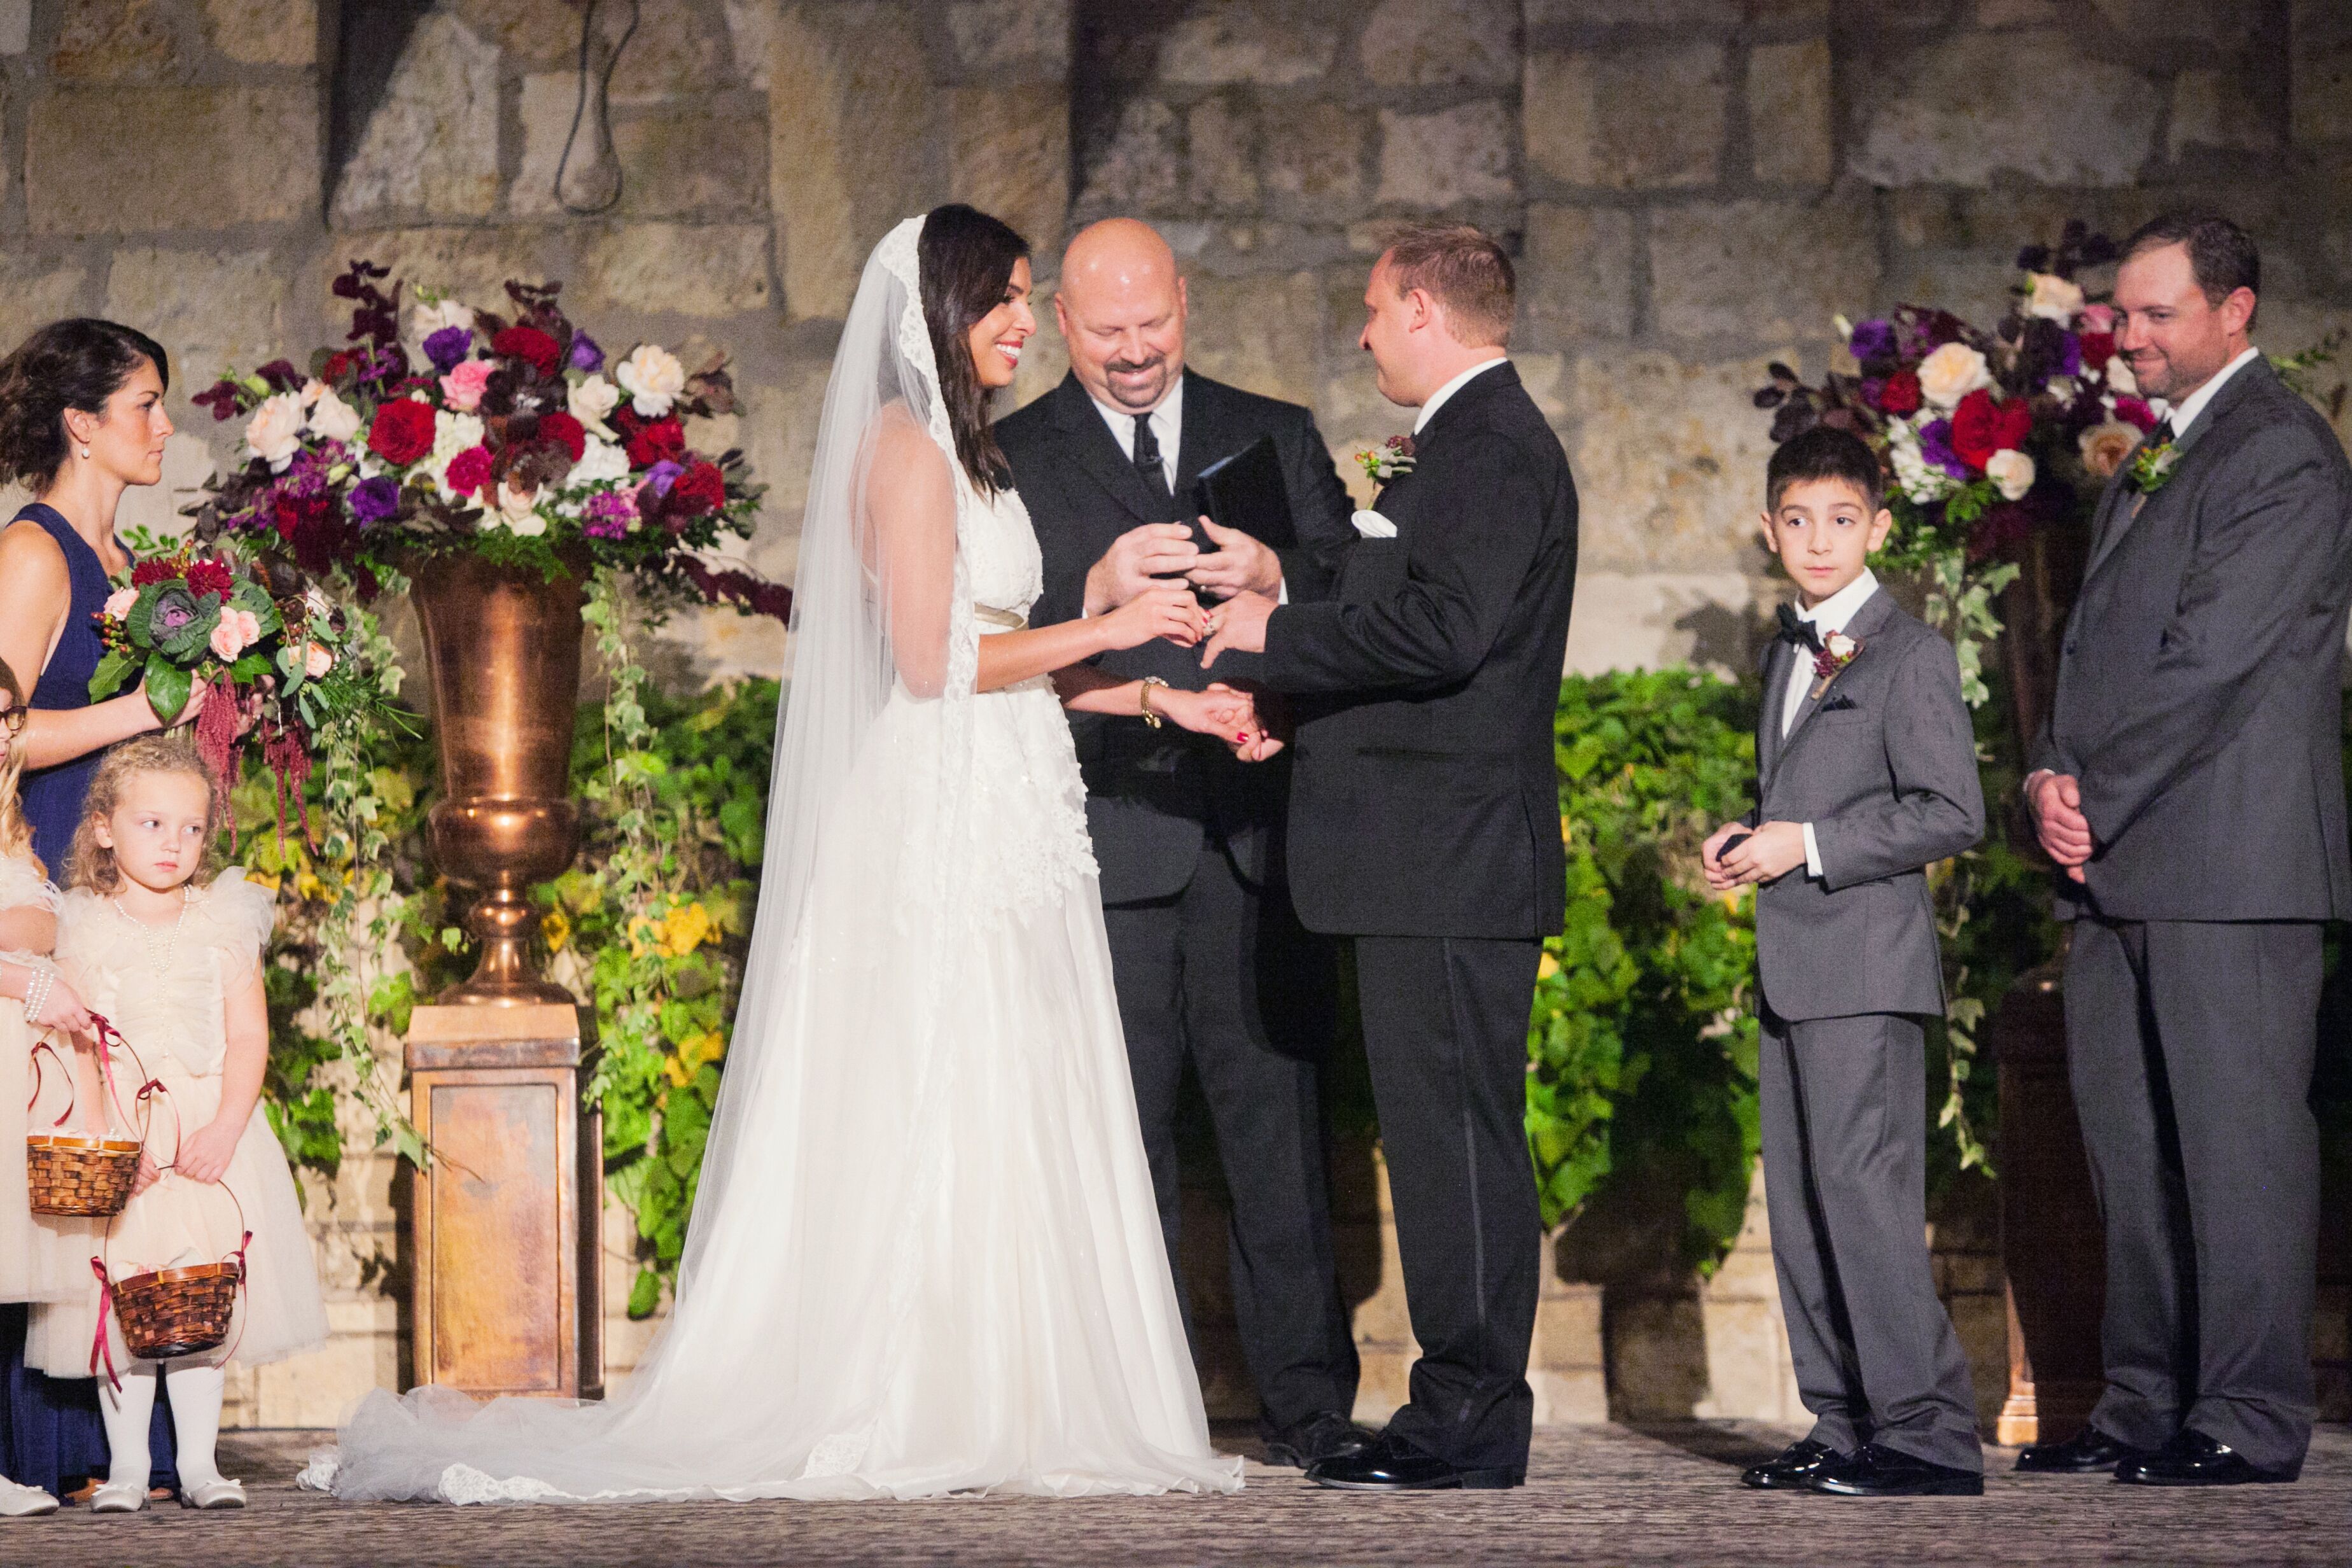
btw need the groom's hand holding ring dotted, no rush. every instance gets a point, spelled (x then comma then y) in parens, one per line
(1239, 624)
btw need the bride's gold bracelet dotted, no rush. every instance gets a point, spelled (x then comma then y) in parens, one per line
(1143, 698)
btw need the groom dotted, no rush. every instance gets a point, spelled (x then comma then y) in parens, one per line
(1423, 823)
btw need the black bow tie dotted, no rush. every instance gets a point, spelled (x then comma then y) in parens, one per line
(1795, 630)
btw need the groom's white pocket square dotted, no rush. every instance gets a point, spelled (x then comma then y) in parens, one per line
(1372, 525)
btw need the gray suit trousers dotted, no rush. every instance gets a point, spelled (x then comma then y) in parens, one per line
(2189, 1046)
(1845, 1149)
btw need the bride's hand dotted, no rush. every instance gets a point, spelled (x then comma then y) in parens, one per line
(1163, 610)
(1229, 715)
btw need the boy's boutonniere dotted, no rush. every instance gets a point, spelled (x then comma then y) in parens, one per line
(1838, 650)
(2151, 466)
(1387, 460)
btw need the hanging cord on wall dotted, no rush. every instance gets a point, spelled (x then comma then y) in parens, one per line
(603, 129)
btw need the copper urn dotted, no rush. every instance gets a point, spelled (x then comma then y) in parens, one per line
(502, 657)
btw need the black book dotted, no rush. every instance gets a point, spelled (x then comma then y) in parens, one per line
(1245, 490)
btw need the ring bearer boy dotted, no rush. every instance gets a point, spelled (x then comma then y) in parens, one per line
(1866, 776)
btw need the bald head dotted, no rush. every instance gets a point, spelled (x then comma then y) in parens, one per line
(1120, 306)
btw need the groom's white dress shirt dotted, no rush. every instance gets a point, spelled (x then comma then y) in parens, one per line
(1830, 615)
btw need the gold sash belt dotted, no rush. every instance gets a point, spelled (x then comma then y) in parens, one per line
(1002, 620)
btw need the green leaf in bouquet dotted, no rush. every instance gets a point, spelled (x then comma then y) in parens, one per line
(249, 594)
(112, 671)
(249, 667)
(167, 688)
(141, 616)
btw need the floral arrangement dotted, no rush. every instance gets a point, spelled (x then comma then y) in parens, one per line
(1385, 461)
(281, 655)
(516, 437)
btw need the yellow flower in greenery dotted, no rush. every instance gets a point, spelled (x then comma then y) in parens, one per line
(307, 885)
(264, 879)
(556, 926)
(1547, 967)
(677, 1073)
(643, 934)
(686, 930)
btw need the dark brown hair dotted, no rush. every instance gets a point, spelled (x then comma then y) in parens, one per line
(77, 362)
(91, 864)
(1463, 269)
(966, 258)
(1826, 452)
(2221, 254)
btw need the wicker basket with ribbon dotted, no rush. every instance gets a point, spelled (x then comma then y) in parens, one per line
(86, 1175)
(169, 1313)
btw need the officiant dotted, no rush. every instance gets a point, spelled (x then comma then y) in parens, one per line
(1209, 962)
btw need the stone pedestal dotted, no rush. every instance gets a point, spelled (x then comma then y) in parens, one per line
(504, 1282)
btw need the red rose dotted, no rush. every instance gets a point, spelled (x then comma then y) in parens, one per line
(565, 432)
(2098, 348)
(1981, 428)
(2136, 411)
(701, 489)
(530, 344)
(469, 471)
(650, 444)
(1900, 395)
(210, 577)
(332, 371)
(403, 432)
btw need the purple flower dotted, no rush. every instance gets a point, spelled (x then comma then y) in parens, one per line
(609, 514)
(1936, 449)
(2070, 355)
(446, 347)
(661, 475)
(586, 357)
(1871, 339)
(374, 500)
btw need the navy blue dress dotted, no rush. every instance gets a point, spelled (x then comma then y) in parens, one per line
(50, 1431)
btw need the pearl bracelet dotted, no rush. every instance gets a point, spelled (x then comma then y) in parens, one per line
(36, 992)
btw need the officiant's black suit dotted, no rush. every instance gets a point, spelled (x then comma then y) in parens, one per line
(2198, 704)
(1424, 823)
(1205, 951)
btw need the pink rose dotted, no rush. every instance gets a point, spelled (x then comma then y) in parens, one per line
(2098, 318)
(119, 602)
(463, 387)
(237, 631)
(317, 661)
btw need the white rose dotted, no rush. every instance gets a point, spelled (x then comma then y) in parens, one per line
(2012, 471)
(274, 431)
(1921, 483)
(333, 419)
(521, 509)
(603, 463)
(2120, 380)
(2052, 297)
(653, 378)
(312, 390)
(1951, 373)
(591, 400)
(431, 317)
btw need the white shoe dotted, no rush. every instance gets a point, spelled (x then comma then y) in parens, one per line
(24, 1502)
(218, 1493)
(124, 1497)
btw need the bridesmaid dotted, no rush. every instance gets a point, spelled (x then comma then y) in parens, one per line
(81, 420)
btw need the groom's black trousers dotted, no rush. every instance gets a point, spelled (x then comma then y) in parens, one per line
(1224, 973)
(1445, 1032)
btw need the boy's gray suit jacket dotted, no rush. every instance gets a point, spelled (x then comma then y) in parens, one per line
(1884, 765)
(2201, 696)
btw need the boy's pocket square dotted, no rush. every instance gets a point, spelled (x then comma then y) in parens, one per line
(1840, 703)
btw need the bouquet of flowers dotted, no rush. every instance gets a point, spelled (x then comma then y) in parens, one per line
(517, 438)
(274, 655)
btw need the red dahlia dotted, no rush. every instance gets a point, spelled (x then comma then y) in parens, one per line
(701, 489)
(211, 577)
(2098, 348)
(469, 471)
(650, 444)
(1900, 395)
(529, 343)
(403, 432)
(151, 571)
(565, 432)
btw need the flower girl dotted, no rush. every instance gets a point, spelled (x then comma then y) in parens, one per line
(33, 1000)
(177, 969)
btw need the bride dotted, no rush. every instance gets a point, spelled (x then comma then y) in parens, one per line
(925, 1256)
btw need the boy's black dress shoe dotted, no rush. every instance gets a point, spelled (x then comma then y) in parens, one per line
(1793, 1471)
(2193, 1459)
(1883, 1472)
(1392, 1465)
(2087, 1452)
(1325, 1435)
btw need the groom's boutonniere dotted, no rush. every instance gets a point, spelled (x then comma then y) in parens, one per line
(2152, 466)
(1838, 650)
(1387, 460)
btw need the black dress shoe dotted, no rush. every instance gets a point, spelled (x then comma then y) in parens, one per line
(2193, 1459)
(1883, 1472)
(1793, 1471)
(1392, 1465)
(1325, 1435)
(2087, 1452)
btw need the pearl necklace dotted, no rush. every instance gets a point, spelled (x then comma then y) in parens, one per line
(161, 959)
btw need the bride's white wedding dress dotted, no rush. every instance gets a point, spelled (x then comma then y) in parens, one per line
(924, 1255)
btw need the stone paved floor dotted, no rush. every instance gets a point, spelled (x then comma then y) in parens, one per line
(1596, 1495)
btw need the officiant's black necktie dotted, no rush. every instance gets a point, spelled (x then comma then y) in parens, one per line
(1153, 470)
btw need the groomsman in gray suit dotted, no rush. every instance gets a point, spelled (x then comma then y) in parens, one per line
(2190, 784)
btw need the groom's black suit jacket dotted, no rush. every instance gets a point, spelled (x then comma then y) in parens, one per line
(1426, 799)
(1151, 794)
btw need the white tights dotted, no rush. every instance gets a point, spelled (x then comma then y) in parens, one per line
(195, 1422)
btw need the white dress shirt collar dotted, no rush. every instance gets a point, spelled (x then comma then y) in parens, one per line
(1833, 613)
(2194, 403)
(1167, 423)
(1437, 399)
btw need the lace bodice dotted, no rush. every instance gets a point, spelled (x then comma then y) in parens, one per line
(1003, 568)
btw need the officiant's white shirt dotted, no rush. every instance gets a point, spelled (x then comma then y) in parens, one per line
(1167, 423)
(1830, 615)
(1437, 399)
